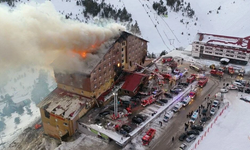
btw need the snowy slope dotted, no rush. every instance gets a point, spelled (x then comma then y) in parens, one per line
(231, 20)
(165, 33)
(19, 86)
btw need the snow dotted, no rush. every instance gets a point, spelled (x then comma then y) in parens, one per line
(20, 85)
(231, 130)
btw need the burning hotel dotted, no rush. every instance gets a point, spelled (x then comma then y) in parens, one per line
(97, 71)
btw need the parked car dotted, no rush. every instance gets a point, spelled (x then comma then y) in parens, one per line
(247, 91)
(204, 112)
(183, 136)
(205, 119)
(164, 100)
(177, 107)
(127, 128)
(137, 120)
(195, 132)
(190, 138)
(104, 113)
(213, 111)
(215, 103)
(232, 87)
(197, 127)
(168, 116)
(168, 95)
(224, 90)
(183, 146)
(176, 90)
(143, 118)
(238, 84)
(159, 102)
(123, 132)
(183, 83)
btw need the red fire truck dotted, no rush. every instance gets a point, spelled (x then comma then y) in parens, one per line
(217, 73)
(202, 82)
(149, 136)
(191, 78)
(148, 101)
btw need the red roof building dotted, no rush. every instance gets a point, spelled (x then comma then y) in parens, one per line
(211, 46)
(132, 83)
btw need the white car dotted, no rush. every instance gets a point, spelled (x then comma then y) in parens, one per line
(238, 84)
(215, 103)
(223, 90)
(168, 116)
(212, 111)
(232, 87)
(183, 146)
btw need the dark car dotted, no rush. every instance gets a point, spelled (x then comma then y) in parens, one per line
(176, 90)
(197, 127)
(143, 118)
(240, 89)
(205, 119)
(126, 128)
(168, 95)
(123, 132)
(190, 138)
(104, 113)
(183, 136)
(195, 132)
(159, 103)
(164, 100)
(204, 112)
(183, 83)
(247, 91)
(137, 120)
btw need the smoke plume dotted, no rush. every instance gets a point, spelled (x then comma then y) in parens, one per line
(38, 33)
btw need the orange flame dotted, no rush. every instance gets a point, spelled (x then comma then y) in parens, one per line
(83, 53)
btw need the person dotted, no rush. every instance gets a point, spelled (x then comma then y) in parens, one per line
(172, 139)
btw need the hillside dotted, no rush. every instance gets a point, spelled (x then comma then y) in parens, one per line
(164, 32)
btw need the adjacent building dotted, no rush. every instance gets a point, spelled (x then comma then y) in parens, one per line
(212, 46)
(78, 92)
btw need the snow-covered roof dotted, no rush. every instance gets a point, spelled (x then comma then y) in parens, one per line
(63, 104)
(237, 42)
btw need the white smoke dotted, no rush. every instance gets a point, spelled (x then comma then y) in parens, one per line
(38, 33)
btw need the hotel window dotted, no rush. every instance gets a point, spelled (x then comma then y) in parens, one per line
(66, 124)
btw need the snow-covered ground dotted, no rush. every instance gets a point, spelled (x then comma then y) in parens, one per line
(20, 85)
(163, 33)
(231, 131)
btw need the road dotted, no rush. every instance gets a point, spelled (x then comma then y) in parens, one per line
(176, 125)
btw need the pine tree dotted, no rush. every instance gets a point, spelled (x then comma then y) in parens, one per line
(41, 87)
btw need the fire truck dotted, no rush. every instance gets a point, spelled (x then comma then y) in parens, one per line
(192, 93)
(217, 73)
(202, 82)
(149, 136)
(167, 59)
(166, 76)
(148, 101)
(230, 70)
(191, 78)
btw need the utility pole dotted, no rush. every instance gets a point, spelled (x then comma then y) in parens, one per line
(115, 104)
